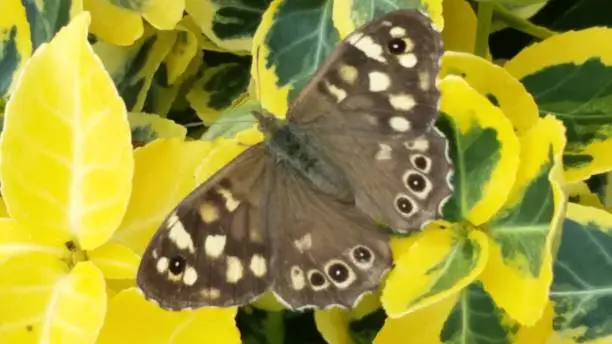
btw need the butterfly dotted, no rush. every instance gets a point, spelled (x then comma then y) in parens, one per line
(298, 214)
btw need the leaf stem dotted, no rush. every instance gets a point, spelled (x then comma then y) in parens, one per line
(506, 16)
(485, 15)
(275, 330)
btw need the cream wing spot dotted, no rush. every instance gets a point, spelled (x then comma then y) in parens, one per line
(162, 265)
(208, 212)
(424, 82)
(404, 102)
(210, 293)
(335, 91)
(178, 235)
(298, 280)
(304, 243)
(379, 81)
(397, 32)
(370, 48)
(384, 153)
(258, 265)
(407, 60)
(230, 202)
(348, 74)
(190, 276)
(214, 245)
(399, 123)
(234, 270)
(420, 144)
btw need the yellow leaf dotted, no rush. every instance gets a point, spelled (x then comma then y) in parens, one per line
(333, 324)
(132, 319)
(17, 240)
(474, 116)
(114, 24)
(459, 26)
(580, 193)
(422, 326)
(440, 263)
(161, 128)
(540, 331)
(115, 261)
(523, 235)
(164, 173)
(495, 83)
(222, 153)
(66, 150)
(163, 14)
(42, 302)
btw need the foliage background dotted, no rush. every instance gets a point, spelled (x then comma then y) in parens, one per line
(113, 110)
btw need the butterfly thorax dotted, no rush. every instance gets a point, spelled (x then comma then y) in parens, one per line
(293, 148)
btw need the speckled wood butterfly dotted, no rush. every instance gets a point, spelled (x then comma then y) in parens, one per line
(297, 214)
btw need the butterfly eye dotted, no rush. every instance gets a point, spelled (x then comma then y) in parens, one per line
(397, 46)
(362, 257)
(317, 280)
(416, 182)
(362, 254)
(404, 205)
(177, 265)
(338, 272)
(421, 162)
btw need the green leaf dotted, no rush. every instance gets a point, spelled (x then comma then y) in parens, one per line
(133, 68)
(229, 24)
(582, 289)
(162, 14)
(475, 319)
(222, 84)
(572, 14)
(288, 53)
(47, 17)
(525, 230)
(569, 76)
(349, 15)
(484, 150)
(15, 44)
(233, 121)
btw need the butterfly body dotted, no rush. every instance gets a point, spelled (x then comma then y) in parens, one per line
(291, 147)
(297, 213)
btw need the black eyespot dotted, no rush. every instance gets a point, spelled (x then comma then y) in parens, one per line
(362, 254)
(317, 279)
(396, 46)
(177, 265)
(420, 162)
(404, 205)
(338, 272)
(416, 182)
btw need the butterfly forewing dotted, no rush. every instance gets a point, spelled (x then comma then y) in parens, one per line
(366, 106)
(212, 249)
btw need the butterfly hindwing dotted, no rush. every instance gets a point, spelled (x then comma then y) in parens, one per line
(371, 99)
(212, 249)
(327, 252)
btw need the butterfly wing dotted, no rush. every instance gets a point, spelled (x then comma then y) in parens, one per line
(212, 250)
(327, 253)
(370, 110)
